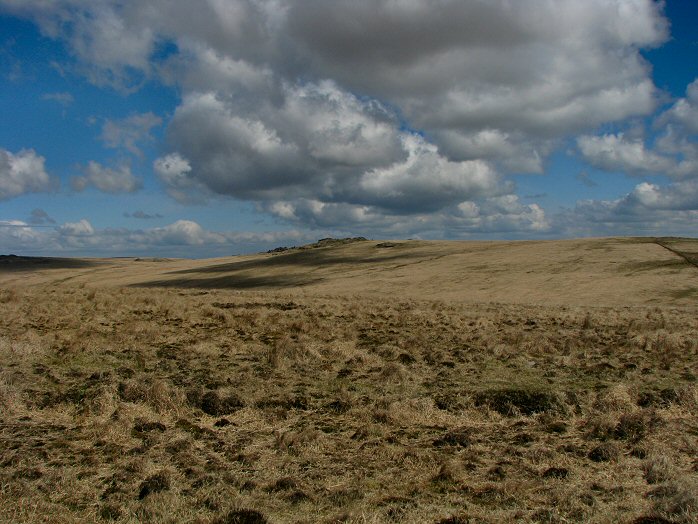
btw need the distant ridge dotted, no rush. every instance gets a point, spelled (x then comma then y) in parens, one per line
(323, 242)
(20, 263)
(599, 272)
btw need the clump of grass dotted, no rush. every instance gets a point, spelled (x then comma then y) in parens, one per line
(242, 516)
(276, 352)
(556, 473)
(154, 484)
(616, 399)
(662, 398)
(284, 349)
(513, 402)
(157, 394)
(676, 500)
(392, 372)
(293, 441)
(283, 484)
(8, 296)
(455, 519)
(601, 426)
(633, 427)
(216, 405)
(449, 473)
(658, 469)
(10, 398)
(605, 452)
(462, 437)
(110, 512)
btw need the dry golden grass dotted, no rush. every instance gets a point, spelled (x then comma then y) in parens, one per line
(611, 272)
(341, 403)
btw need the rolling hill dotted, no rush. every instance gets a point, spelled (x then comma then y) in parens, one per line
(605, 271)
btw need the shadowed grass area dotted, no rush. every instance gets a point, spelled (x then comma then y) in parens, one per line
(10, 263)
(690, 292)
(318, 257)
(651, 265)
(295, 267)
(236, 281)
(685, 248)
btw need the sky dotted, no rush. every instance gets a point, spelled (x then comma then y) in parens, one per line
(220, 127)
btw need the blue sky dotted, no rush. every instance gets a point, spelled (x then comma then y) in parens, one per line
(157, 128)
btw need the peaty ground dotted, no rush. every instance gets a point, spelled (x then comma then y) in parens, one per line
(354, 382)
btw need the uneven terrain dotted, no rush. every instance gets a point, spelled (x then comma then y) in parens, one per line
(354, 381)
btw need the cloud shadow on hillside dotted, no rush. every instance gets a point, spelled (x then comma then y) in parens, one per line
(11, 263)
(235, 282)
(288, 270)
(305, 259)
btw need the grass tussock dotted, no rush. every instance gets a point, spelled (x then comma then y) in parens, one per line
(167, 405)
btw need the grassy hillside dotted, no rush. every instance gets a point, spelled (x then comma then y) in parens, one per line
(354, 382)
(624, 271)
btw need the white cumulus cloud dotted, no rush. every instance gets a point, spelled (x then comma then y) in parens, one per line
(378, 112)
(16, 235)
(83, 228)
(107, 179)
(685, 111)
(648, 209)
(22, 172)
(674, 152)
(615, 152)
(426, 181)
(175, 173)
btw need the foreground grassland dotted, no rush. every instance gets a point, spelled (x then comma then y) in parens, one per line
(181, 404)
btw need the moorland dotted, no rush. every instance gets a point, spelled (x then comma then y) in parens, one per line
(354, 381)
